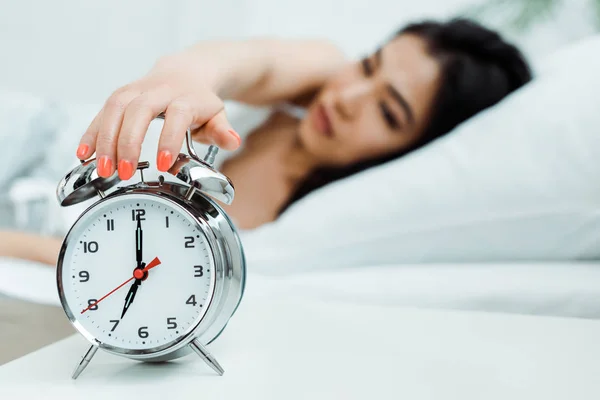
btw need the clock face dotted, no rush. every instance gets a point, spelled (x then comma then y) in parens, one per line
(137, 273)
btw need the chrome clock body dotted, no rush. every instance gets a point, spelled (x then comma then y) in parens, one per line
(229, 273)
(194, 197)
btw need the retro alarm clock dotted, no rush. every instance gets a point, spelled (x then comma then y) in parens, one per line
(154, 270)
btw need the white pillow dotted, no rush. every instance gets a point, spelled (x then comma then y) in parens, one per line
(520, 181)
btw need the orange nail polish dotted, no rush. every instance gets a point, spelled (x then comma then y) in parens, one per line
(164, 160)
(235, 134)
(82, 150)
(104, 167)
(125, 170)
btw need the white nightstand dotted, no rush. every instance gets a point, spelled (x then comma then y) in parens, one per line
(285, 346)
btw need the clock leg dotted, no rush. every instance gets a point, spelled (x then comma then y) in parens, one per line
(85, 361)
(206, 356)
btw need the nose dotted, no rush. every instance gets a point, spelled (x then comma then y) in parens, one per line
(350, 99)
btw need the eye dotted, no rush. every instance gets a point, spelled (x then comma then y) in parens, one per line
(389, 118)
(367, 67)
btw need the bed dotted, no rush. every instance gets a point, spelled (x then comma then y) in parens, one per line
(569, 289)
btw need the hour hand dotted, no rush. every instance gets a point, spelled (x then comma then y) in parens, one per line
(130, 296)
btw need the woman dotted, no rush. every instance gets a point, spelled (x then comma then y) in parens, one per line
(427, 79)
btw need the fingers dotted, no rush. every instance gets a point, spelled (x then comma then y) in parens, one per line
(178, 117)
(117, 132)
(87, 144)
(138, 116)
(109, 127)
(219, 131)
(185, 112)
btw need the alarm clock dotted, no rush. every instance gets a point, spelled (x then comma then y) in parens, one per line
(153, 270)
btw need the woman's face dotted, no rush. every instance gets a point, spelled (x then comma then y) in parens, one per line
(374, 107)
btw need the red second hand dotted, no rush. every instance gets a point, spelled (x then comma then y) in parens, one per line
(152, 264)
(108, 294)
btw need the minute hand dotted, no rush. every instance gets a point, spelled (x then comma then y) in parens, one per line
(139, 243)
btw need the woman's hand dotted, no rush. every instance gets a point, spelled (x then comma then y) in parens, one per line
(177, 86)
(188, 87)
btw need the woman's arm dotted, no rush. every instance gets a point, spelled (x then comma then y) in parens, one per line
(190, 86)
(263, 71)
(31, 247)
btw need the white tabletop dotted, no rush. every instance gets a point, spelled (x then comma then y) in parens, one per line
(284, 346)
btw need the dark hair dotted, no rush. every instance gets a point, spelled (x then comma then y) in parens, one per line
(479, 69)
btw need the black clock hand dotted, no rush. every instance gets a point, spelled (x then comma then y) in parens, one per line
(138, 243)
(130, 296)
(132, 290)
(138, 274)
(140, 265)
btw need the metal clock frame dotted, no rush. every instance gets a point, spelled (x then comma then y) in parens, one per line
(227, 253)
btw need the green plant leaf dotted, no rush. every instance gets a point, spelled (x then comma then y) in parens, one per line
(517, 14)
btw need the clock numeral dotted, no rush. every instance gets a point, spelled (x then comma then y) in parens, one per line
(143, 332)
(110, 224)
(189, 242)
(191, 300)
(167, 221)
(84, 275)
(138, 213)
(93, 304)
(116, 323)
(171, 324)
(198, 271)
(90, 247)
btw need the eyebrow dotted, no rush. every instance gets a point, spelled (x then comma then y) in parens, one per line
(401, 100)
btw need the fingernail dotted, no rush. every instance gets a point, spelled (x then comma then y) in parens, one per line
(104, 167)
(164, 160)
(235, 134)
(82, 150)
(125, 170)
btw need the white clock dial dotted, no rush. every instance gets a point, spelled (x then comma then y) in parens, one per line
(100, 281)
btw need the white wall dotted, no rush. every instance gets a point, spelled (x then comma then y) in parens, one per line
(81, 51)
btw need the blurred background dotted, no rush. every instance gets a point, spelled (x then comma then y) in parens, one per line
(80, 51)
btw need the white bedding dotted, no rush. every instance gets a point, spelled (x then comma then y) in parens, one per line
(560, 289)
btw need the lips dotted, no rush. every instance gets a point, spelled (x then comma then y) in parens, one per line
(322, 121)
